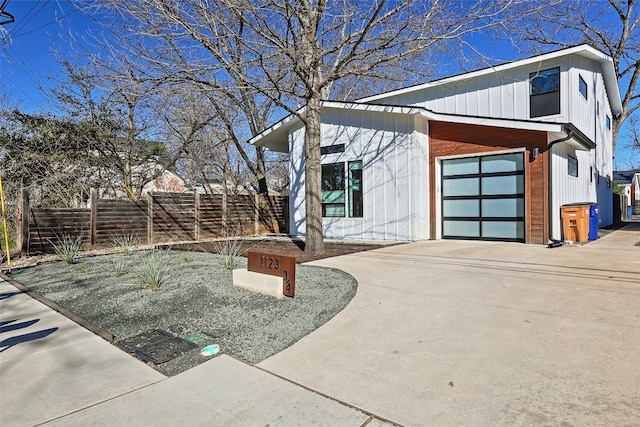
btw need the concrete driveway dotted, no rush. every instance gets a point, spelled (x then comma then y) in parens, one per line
(452, 333)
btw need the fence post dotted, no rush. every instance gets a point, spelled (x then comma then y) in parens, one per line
(150, 218)
(197, 215)
(93, 216)
(256, 214)
(23, 229)
(224, 214)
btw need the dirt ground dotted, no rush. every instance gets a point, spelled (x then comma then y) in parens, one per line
(286, 247)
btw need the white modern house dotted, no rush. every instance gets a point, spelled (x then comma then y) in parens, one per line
(490, 155)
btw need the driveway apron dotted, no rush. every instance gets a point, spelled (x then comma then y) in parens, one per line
(482, 333)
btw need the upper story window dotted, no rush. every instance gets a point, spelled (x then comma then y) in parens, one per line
(572, 166)
(608, 122)
(582, 87)
(544, 99)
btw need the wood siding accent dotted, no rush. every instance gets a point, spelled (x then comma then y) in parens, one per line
(452, 139)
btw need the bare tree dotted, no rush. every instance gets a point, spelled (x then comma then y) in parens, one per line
(612, 26)
(633, 161)
(128, 131)
(293, 53)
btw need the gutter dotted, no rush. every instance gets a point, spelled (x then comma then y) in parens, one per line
(569, 129)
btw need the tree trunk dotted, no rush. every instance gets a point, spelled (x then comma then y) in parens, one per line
(313, 177)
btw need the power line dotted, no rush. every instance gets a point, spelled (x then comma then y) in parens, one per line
(47, 24)
(28, 17)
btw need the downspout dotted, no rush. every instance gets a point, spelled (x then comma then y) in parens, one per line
(554, 243)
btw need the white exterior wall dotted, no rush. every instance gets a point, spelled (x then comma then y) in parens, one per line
(568, 189)
(590, 117)
(502, 95)
(393, 149)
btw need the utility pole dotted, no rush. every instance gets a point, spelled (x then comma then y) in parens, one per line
(5, 17)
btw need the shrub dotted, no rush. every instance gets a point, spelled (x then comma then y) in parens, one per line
(155, 269)
(230, 250)
(67, 247)
(12, 236)
(119, 264)
(125, 243)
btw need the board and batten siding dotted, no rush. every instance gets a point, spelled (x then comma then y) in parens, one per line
(568, 189)
(505, 95)
(449, 140)
(393, 151)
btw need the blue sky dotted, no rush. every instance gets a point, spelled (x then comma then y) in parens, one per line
(27, 59)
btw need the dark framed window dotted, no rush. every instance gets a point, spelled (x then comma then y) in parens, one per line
(332, 149)
(582, 87)
(333, 197)
(355, 189)
(572, 166)
(608, 122)
(341, 190)
(544, 98)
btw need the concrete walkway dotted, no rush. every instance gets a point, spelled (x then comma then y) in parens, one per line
(439, 333)
(453, 333)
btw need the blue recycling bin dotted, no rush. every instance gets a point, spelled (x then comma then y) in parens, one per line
(629, 213)
(593, 222)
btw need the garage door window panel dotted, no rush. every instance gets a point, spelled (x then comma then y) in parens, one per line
(499, 185)
(463, 229)
(503, 208)
(461, 208)
(503, 230)
(461, 187)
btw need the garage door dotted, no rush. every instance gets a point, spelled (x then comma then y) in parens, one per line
(483, 198)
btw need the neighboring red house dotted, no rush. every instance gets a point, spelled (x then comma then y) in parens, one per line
(167, 182)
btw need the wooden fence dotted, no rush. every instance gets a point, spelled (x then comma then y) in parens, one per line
(163, 217)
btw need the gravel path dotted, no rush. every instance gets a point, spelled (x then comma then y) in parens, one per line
(198, 301)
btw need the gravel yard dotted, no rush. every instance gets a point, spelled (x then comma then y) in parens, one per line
(198, 302)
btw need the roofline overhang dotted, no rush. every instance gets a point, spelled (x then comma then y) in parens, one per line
(276, 137)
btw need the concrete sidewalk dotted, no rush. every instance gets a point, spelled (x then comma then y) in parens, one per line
(55, 372)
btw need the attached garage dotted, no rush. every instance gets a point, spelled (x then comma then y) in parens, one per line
(483, 197)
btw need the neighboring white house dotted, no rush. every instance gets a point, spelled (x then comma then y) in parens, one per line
(491, 154)
(630, 181)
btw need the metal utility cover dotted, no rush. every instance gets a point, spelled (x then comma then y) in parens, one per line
(156, 346)
(165, 350)
(131, 344)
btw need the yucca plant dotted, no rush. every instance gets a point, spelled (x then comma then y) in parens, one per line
(119, 264)
(125, 243)
(230, 249)
(155, 269)
(67, 247)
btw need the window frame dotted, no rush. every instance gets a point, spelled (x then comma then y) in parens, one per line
(332, 149)
(542, 95)
(349, 204)
(355, 196)
(583, 84)
(326, 200)
(570, 168)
